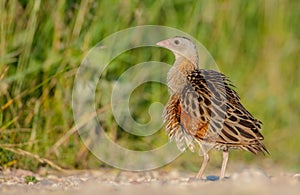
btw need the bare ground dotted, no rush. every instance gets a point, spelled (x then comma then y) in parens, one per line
(246, 181)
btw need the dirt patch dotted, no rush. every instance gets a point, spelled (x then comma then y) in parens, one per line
(247, 181)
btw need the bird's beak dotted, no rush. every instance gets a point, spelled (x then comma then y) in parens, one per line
(164, 43)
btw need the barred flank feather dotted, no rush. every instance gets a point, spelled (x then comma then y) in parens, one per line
(174, 128)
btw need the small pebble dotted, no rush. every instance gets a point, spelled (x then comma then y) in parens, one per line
(212, 178)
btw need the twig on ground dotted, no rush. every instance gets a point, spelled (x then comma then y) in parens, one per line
(35, 156)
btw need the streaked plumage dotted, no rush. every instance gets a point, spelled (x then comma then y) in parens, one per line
(204, 110)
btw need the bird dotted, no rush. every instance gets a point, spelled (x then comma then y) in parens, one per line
(204, 110)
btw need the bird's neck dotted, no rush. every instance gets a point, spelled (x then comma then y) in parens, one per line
(177, 75)
(185, 65)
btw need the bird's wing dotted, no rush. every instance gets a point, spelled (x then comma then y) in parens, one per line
(208, 99)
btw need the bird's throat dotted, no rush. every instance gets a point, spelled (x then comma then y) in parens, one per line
(177, 75)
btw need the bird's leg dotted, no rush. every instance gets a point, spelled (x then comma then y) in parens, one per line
(224, 164)
(203, 165)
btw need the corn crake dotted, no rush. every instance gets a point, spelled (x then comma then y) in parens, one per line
(204, 110)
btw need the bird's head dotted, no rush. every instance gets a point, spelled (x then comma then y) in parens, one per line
(182, 47)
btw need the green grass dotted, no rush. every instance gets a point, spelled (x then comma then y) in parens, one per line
(30, 179)
(255, 43)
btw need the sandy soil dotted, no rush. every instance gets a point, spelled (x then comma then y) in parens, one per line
(247, 181)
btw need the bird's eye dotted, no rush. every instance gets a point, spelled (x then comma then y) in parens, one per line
(176, 42)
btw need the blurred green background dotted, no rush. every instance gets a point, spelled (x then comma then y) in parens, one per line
(42, 43)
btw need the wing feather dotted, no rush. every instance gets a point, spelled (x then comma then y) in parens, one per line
(209, 98)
